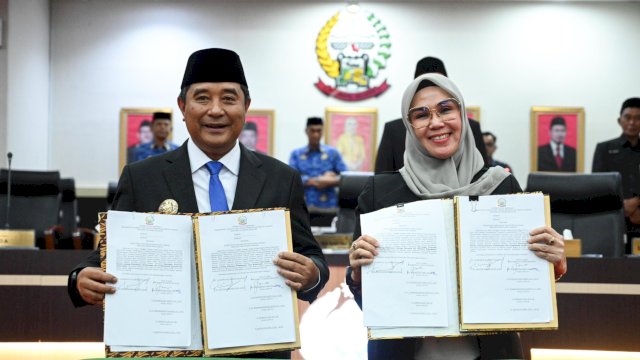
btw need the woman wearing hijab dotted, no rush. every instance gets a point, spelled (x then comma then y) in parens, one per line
(441, 161)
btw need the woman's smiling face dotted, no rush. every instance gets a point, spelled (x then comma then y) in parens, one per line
(440, 138)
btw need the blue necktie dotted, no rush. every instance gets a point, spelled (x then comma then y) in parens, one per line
(216, 192)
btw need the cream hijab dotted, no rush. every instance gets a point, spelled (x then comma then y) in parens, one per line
(431, 178)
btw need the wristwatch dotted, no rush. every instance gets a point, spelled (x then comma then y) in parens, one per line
(72, 288)
(352, 284)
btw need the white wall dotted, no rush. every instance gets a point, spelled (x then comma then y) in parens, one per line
(28, 62)
(506, 57)
(4, 12)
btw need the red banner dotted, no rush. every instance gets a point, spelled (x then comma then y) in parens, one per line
(369, 93)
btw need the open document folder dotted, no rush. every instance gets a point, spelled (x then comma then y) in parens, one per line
(202, 284)
(455, 267)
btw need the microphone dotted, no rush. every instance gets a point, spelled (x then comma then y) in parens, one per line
(9, 156)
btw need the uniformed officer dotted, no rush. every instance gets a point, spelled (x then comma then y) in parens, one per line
(319, 165)
(161, 129)
(622, 155)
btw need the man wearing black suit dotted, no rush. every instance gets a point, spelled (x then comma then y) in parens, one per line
(556, 155)
(622, 155)
(390, 156)
(214, 99)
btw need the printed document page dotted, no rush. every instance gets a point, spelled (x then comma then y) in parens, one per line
(407, 283)
(151, 256)
(502, 281)
(246, 301)
(452, 290)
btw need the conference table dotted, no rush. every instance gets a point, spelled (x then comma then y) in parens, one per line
(598, 302)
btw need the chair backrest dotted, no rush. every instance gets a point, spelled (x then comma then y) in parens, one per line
(590, 205)
(112, 187)
(68, 216)
(351, 185)
(35, 200)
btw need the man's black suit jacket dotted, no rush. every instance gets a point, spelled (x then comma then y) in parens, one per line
(547, 162)
(390, 155)
(263, 182)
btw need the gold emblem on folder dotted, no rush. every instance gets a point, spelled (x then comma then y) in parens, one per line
(169, 206)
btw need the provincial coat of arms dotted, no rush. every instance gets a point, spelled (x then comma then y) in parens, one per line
(353, 48)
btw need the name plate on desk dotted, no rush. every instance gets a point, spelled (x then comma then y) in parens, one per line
(334, 241)
(17, 238)
(573, 247)
(635, 246)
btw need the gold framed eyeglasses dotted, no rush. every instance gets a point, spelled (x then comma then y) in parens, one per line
(446, 110)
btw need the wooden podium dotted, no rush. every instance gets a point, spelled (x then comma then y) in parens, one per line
(17, 238)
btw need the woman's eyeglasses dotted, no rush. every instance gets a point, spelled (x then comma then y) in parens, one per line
(446, 110)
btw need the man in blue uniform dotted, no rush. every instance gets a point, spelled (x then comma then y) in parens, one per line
(320, 166)
(161, 129)
(144, 135)
(249, 135)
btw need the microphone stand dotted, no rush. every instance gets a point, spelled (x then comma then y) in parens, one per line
(16, 239)
(6, 224)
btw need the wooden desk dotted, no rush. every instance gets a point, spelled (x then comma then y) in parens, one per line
(34, 305)
(598, 302)
(598, 307)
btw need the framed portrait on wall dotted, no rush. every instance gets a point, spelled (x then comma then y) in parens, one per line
(473, 112)
(353, 131)
(257, 134)
(557, 139)
(135, 130)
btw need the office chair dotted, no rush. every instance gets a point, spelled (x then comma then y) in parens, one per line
(66, 234)
(590, 205)
(351, 185)
(35, 200)
(112, 187)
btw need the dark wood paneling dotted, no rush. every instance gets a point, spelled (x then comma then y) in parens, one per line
(594, 321)
(587, 321)
(44, 313)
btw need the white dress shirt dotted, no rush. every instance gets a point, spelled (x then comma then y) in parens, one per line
(228, 177)
(555, 148)
(200, 174)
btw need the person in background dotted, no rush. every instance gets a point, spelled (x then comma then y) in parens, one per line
(441, 161)
(145, 136)
(390, 155)
(161, 129)
(490, 144)
(212, 171)
(622, 155)
(320, 166)
(249, 135)
(556, 155)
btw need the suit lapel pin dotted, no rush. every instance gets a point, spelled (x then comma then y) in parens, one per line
(169, 206)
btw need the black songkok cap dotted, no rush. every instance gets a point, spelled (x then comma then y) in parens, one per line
(430, 65)
(425, 83)
(558, 120)
(632, 102)
(250, 125)
(314, 121)
(213, 65)
(161, 116)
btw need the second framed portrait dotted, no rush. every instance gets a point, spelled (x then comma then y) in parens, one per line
(557, 139)
(257, 134)
(473, 112)
(136, 131)
(353, 131)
